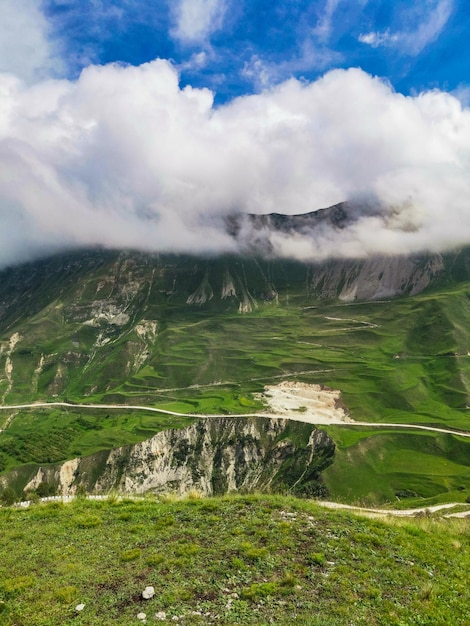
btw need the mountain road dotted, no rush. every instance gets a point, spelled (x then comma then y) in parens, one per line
(319, 420)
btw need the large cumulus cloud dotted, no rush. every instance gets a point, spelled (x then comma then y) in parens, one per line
(126, 157)
(26, 49)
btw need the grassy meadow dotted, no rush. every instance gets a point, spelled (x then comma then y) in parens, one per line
(231, 560)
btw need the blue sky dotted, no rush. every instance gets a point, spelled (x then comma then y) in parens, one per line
(144, 123)
(241, 46)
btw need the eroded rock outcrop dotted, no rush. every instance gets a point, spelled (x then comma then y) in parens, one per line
(212, 456)
(375, 278)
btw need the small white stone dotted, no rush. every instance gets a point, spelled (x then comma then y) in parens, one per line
(79, 607)
(148, 593)
(141, 616)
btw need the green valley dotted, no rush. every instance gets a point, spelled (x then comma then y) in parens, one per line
(205, 336)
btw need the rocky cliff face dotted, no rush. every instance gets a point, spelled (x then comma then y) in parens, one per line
(212, 456)
(102, 289)
(376, 278)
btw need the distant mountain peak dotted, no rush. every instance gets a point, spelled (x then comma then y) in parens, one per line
(253, 232)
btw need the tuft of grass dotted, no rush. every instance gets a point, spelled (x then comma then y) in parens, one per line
(155, 559)
(187, 549)
(289, 581)
(131, 555)
(194, 494)
(427, 591)
(316, 558)
(14, 586)
(164, 522)
(66, 594)
(88, 521)
(251, 552)
(259, 590)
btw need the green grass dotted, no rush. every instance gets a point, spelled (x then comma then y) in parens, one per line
(232, 560)
(385, 466)
(52, 435)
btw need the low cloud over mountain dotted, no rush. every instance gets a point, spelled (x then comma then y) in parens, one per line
(126, 157)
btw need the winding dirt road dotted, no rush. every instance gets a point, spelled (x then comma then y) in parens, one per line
(397, 512)
(369, 512)
(319, 420)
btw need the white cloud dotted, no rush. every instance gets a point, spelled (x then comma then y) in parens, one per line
(25, 48)
(376, 39)
(430, 27)
(125, 157)
(462, 92)
(264, 74)
(196, 20)
(197, 61)
(258, 72)
(324, 25)
(421, 26)
(312, 54)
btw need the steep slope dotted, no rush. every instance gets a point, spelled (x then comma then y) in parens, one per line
(213, 456)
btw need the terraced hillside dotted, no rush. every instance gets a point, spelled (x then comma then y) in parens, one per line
(205, 336)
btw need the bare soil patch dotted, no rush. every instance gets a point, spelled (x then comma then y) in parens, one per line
(314, 404)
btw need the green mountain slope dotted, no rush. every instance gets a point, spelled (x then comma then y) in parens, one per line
(205, 336)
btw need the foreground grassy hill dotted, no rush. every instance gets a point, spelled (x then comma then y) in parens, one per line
(165, 332)
(231, 560)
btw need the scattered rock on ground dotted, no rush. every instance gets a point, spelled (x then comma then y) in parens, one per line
(148, 593)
